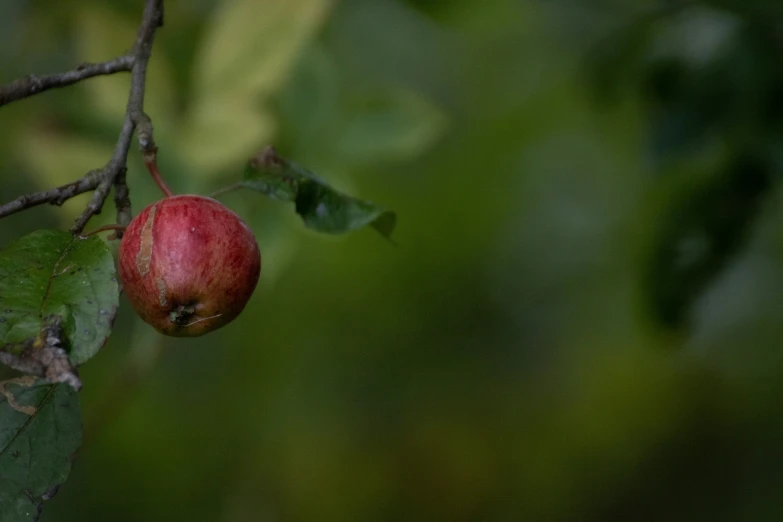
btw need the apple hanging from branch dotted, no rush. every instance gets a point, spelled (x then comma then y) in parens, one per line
(187, 263)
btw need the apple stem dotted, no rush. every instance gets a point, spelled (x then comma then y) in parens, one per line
(118, 229)
(152, 165)
(224, 190)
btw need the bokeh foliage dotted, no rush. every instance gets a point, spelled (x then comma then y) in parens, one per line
(582, 318)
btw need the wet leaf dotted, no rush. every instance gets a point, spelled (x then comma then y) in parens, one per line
(50, 279)
(321, 207)
(40, 431)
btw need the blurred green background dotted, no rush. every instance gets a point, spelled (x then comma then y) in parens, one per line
(581, 321)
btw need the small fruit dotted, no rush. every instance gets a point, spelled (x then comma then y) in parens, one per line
(188, 265)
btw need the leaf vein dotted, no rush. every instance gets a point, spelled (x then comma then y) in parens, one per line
(30, 419)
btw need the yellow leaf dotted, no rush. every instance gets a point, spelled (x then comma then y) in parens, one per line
(248, 53)
(103, 35)
(221, 132)
(56, 159)
(252, 44)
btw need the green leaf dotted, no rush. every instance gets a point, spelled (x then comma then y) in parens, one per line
(40, 430)
(321, 207)
(393, 125)
(50, 281)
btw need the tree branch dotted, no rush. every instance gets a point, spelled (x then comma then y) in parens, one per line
(55, 196)
(113, 173)
(32, 84)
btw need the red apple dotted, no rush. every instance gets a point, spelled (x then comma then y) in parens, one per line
(188, 265)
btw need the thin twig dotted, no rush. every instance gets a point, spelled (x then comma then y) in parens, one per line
(55, 196)
(230, 188)
(152, 165)
(96, 202)
(32, 84)
(122, 200)
(108, 175)
(113, 173)
(105, 228)
(134, 114)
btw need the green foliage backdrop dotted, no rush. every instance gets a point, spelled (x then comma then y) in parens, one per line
(580, 319)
